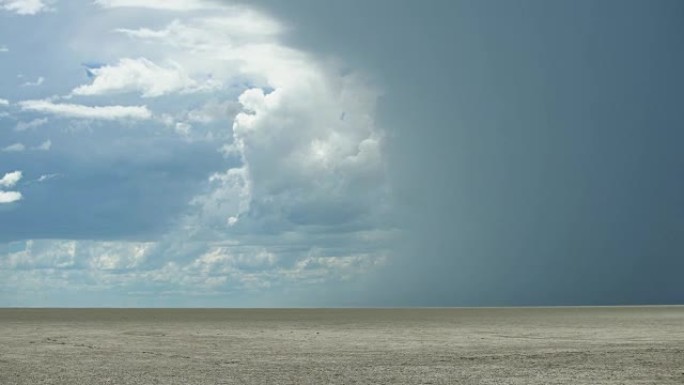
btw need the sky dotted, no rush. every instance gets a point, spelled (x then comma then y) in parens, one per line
(389, 153)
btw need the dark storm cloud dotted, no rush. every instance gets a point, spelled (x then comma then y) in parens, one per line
(535, 147)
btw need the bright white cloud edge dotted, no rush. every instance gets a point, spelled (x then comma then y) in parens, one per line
(24, 7)
(144, 76)
(171, 5)
(10, 179)
(87, 112)
(10, 196)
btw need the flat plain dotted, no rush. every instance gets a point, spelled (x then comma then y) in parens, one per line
(602, 345)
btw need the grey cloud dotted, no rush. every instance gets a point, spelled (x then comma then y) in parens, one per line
(16, 147)
(532, 155)
(35, 123)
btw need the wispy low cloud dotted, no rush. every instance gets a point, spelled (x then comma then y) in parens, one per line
(35, 123)
(133, 266)
(43, 178)
(16, 147)
(47, 177)
(87, 112)
(45, 146)
(20, 147)
(4, 102)
(36, 83)
(24, 7)
(3, 49)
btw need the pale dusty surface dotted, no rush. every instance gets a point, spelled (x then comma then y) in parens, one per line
(410, 346)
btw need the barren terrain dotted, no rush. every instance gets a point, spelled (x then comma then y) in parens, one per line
(621, 345)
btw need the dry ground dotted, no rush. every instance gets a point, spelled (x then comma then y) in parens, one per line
(399, 346)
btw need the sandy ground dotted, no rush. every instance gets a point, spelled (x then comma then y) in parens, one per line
(410, 346)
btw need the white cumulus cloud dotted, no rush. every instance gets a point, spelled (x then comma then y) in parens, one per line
(4, 102)
(11, 179)
(302, 164)
(141, 75)
(10, 196)
(299, 158)
(87, 112)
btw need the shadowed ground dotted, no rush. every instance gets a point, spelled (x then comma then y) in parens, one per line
(634, 345)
